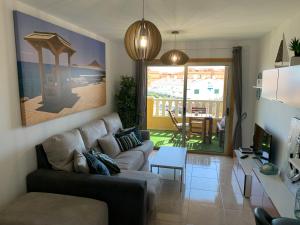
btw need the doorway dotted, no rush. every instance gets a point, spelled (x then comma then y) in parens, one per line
(186, 106)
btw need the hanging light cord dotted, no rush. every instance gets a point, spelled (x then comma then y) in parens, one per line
(143, 9)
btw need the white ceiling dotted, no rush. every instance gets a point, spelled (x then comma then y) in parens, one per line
(196, 19)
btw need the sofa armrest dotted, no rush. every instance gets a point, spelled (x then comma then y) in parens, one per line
(145, 134)
(126, 198)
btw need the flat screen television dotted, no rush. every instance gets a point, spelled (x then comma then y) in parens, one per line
(262, 144)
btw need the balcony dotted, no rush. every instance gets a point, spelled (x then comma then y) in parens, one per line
(162, 128)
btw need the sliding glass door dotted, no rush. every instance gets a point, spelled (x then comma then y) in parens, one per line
(186, 106)
(165, 87)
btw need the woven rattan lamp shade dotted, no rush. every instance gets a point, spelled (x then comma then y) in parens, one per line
(174, 57)
(133, 36)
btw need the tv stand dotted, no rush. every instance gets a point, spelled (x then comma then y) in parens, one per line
(265, 191)
(243, 171)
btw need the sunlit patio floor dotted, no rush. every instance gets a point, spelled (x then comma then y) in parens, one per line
(195, 143)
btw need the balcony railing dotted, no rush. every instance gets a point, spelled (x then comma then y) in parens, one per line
(161, 105)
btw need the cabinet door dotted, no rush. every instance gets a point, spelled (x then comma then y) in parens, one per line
(257, 192)
(269, 206)
(269, 84)
(288, 86)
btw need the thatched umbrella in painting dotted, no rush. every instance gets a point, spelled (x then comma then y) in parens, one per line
(52, 91)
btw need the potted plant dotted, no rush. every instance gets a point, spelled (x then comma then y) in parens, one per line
(126, 101)
(295, 47)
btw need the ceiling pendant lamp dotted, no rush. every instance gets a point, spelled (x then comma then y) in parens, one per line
(174, 56)
(142, 40)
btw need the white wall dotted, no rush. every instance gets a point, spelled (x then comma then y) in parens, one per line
(17, 156)
(275, 116)
(223, 49)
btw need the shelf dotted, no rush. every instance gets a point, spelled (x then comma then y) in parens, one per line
(295, 163)
(257, 87)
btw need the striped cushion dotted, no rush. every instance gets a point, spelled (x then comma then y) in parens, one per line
(107, 161)
(128, 141)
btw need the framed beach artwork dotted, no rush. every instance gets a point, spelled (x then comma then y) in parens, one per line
(60, 71)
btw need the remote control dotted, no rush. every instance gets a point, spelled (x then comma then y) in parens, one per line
(244, 156)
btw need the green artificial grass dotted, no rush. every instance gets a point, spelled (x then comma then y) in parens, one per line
(195, 143)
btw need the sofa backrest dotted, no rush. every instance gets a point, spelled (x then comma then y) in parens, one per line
(91, 132)
(113, 123)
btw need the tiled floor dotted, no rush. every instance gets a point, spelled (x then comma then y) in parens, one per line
(211, 195)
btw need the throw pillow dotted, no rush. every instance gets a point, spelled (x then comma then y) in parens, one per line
(107, 161)
(109, 146)
(126, 131)
(80, 163)
(128, 141)
(95, 165)
(60, 149)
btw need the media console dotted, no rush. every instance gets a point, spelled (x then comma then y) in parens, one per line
(265, 191)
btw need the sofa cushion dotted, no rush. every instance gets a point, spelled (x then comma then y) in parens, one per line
(113, 123)
(95, 165)
(126, 131)
(111, 164)
(128, 141)
(59, 149)
(80, 163)
(153, 184)
(109, 145)
(130, 160)
(146, 148)
(49, 209)
(91, 132)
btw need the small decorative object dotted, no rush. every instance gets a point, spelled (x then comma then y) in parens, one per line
(297, 205)
(60, 71)
(258, 86)
(282, 59)
(174, 56)
(142, 40)
(126, 101)
(295, 47)
(269, 169)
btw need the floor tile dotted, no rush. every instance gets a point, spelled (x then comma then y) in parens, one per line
(235, 201)
(236, 217)
(205, 184)
(205, 198)
(205, 216)
(205, 173)
(210, 196)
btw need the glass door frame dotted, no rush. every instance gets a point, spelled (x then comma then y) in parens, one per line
(227, 62)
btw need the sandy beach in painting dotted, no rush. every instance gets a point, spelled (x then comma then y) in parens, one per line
(90, 96)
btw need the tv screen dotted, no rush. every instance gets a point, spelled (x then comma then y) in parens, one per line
(262, 144)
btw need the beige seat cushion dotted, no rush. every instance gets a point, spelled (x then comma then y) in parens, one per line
(146, 148)
(153, 184)
(109, 146)
(113, 123)
(130, 160)
(48, 209)
(59, 149)
(91, 132)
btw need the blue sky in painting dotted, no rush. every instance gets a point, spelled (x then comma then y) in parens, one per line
(87, 49)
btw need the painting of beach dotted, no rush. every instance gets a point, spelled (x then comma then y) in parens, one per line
(59, 71)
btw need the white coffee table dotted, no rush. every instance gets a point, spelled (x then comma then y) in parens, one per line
(171, 158)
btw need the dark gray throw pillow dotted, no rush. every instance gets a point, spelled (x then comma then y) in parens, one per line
(107, 161)
(126, 131)
(128, 141)
(95, 165)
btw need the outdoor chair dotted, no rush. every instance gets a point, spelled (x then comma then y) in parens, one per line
(177, 125)
(197, 123)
